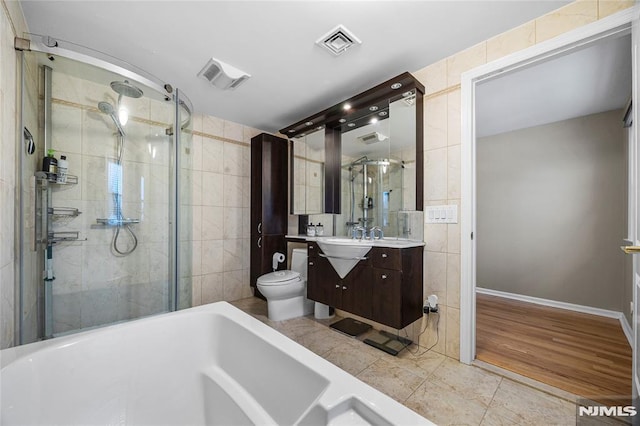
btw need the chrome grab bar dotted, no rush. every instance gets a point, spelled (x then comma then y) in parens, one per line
(342, 257)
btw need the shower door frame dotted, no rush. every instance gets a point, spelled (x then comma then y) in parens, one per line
(111, 64)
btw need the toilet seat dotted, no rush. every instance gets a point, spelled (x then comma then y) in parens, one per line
(279, 278)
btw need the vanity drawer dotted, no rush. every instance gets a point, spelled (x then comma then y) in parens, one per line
(387, 258)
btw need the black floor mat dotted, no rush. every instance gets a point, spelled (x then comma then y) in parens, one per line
(387, 342)
(350, 327)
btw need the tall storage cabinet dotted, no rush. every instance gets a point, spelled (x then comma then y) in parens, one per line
(269, 197)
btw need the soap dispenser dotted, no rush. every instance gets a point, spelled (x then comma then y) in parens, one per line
(311, 230)
(319, 230)
(50, 166)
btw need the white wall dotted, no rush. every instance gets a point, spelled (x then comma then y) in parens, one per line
(551, 211)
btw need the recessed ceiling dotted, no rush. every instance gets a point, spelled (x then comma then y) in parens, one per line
(273, 41)
(583, 82)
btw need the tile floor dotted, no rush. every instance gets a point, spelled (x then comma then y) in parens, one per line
(439, 388)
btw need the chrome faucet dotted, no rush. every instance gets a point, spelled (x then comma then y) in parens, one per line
(373, 231)
(359, 229)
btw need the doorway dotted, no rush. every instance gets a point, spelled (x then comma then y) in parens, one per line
(604, 31)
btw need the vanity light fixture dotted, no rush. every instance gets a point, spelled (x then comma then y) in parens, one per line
(309, 123)
(396, 86)
(351, 124)
(222, 75)
(382, 113)
(338, 40)
(346, 107)
(342, 120)
(373, 120)
(373, 108)
(292, 130)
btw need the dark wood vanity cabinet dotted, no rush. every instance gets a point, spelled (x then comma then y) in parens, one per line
(351, 293)
(385, 288)
(397, 283)
(269, 197)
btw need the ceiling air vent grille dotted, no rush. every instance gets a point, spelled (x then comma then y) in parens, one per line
(338, 40)
(370, 138)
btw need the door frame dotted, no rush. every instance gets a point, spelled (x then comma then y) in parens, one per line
(624, 21)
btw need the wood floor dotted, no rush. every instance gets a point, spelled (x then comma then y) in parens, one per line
(587, 355)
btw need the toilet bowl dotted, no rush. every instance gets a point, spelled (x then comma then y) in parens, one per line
(286, 291)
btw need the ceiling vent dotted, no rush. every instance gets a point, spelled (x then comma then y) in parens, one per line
(222, 75)
(338, 40)
(370, 138)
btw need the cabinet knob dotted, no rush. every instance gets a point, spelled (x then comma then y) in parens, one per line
(260, 228)
(310, 263)
(337, 285)
(259, 242)
(384, 255)
(383, 276)
(310, 247)
(344, 287)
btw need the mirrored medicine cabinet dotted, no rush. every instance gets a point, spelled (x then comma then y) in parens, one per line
(362, 159)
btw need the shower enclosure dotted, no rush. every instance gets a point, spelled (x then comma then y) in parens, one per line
(110, 242)
(375, 193)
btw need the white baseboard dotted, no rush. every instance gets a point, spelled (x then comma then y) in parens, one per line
(626, 328)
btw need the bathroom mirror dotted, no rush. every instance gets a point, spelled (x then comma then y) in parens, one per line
(307, 165)
(378, 179)
(372, 158)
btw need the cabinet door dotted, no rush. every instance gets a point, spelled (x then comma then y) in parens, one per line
(274, 185)
(322, 281)
(387, 297)
(385, 257)
(355, 290)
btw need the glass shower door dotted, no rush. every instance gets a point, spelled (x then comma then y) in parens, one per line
(106, 231)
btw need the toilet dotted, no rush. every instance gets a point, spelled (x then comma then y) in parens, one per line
(286, 291)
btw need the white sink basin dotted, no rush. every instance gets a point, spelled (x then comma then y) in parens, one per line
(344, 253)
(385, 242)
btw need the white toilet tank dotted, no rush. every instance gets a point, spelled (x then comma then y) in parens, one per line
(299, 262)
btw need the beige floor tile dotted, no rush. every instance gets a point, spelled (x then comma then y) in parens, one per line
(439, 388)
(421, 364)
(391, 379)
(443, 406)
(350, 358)
(520, 404)
(297, 327)
(471, 383)
(322, 341)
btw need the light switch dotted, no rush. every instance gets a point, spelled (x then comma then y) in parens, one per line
(441, 214)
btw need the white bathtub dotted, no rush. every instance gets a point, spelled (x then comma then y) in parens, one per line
(210, 365)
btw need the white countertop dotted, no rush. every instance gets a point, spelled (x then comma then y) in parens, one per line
(391, 242)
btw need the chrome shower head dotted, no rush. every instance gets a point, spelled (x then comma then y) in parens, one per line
(107, 108)
(124, 88)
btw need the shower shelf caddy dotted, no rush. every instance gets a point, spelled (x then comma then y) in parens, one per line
(43, 204)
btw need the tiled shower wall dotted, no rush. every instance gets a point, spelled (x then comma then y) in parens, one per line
(221, 198)
(93, 285)
(442, 136)
(11, 24)
(102, 288)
